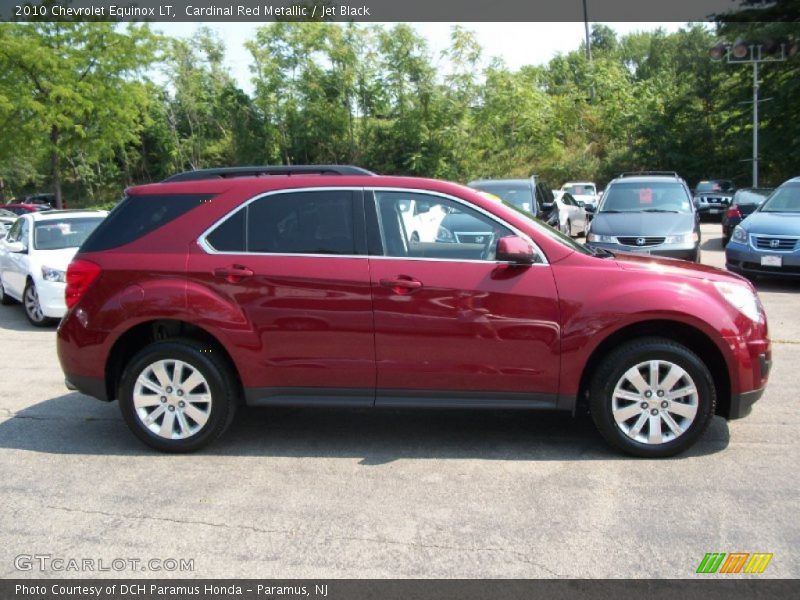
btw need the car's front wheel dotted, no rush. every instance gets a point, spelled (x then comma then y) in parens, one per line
(33, 308)
(179, 395)
(652, 397)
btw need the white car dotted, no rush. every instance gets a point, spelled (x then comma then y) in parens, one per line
(582, 191)
(421, 220)
(571, 216)
(34, 257)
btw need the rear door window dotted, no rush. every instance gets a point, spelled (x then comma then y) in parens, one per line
(303, 222)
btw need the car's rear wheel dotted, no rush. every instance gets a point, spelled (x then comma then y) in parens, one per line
(178, 396)
(33, 308)
(652, 398)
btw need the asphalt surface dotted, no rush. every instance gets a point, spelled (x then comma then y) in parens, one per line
(357, 493)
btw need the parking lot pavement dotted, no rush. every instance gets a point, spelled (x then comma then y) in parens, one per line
(354, 493)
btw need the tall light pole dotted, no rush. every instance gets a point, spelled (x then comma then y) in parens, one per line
(754, 53)
(586, 28)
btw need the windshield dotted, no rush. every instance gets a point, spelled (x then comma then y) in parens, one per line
(66, 233)
(785, 199)
(518, 194)
(579, 189)
(714, 186)
(549, 231)
(650, 196)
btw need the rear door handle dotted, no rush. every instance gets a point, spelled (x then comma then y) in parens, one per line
(401, 284)
(233, 273)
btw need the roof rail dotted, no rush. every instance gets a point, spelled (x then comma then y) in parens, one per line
(645, 173)
(228, 172)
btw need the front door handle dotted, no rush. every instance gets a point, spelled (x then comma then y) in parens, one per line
(402, 284)
(233, 273)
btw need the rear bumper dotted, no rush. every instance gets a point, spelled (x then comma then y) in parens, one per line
(91, 386)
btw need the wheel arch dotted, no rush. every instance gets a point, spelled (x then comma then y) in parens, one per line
(147, 332)
(693, 338)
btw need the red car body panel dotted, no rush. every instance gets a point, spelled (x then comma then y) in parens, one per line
(338, 322)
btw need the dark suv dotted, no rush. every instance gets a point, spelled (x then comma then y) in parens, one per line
(302, 286)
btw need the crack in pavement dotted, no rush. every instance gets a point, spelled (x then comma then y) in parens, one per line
(11, 414)
(521, 556)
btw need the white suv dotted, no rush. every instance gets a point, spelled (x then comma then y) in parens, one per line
(34, 257)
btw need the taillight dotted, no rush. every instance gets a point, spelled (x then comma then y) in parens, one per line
(80, 275)
(734, 213)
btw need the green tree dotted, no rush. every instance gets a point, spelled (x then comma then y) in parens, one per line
(73, 90)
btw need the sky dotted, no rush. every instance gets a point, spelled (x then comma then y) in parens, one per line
(517, 44)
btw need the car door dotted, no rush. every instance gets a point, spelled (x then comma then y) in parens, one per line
(294, 263)
(452, 325)
(577, 215)
(15, 273)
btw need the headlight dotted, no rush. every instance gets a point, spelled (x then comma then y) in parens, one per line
(739, 235)
(741, 297)
(50, 274)
(603, 239)
(686, 238)
(445, 235)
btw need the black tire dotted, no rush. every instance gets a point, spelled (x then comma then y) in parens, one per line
(612, 369)
(5, 299)
(222, 385)
(37, 319)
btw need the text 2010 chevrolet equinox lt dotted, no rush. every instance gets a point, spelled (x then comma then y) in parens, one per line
(304, 288)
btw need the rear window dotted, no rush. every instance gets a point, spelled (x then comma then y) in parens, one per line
(136, 216)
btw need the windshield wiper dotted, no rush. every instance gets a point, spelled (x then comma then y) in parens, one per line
(612, 210)
(659, 210)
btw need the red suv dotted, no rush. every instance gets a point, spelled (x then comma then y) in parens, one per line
(305, 288)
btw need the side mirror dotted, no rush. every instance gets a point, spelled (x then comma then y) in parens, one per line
(16, 247)
(589, 208)
(581, 203)
(515, 250)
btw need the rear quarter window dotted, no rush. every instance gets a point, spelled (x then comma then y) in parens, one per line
(136, 216)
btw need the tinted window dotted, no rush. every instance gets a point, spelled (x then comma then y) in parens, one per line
(65, 233)
(302, 223)
(648, 196)
(136, 216)
(446, 230)
(229, 236)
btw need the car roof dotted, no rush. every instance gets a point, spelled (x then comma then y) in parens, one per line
(646, 179)
(500, 181)
(60, 215)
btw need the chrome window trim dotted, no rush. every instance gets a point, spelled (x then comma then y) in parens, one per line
(209, 249)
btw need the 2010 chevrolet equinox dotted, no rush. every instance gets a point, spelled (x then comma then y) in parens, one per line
(303, 286)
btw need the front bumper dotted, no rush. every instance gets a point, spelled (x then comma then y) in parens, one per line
(690, 252)
(745, 260)
(742, 404)
(51, 298)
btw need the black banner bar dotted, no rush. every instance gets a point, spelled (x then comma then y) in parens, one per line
(366, 10)
(716, 588)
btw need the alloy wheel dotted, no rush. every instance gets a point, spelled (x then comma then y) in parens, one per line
(655, 402)
(172, 399)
